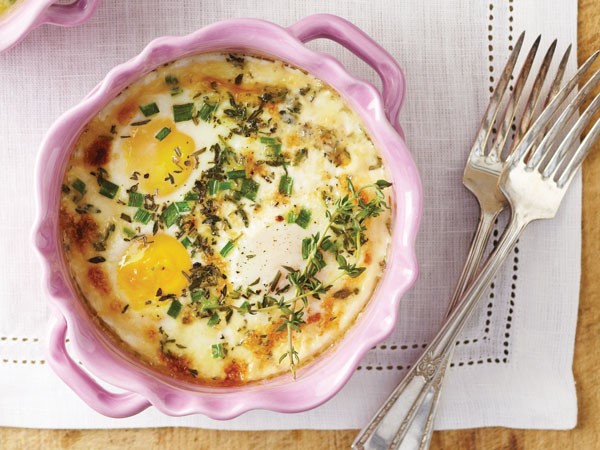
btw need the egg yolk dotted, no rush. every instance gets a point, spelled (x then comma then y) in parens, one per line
(161, 155)
(151, 269)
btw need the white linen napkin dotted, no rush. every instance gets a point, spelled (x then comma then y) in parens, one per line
(513, 366)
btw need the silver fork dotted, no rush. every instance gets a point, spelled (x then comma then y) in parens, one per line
(534, 179)
(482, 172)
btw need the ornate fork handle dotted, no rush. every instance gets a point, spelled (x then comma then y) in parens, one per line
(389, 426)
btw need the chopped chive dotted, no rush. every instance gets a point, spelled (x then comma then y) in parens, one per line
(249, 189)
(174, 309)
(286, 184)
(184, 112)
(186, 242)
(218, 352)
(198, 295)
(206, 111)
(225, 185)
(268, 140)
(214, 319)
(129, 232)
(227, 249)
(97, 260)
(142, 216)
(79, 186)
(303, 218)
(209, 304)
(213, 187)
(233, 174)
(149, 110)
(183, 206)
(291, 217)
(108, 189)
(170, 215)
(163, 133)
(135, 199)
(191, 196)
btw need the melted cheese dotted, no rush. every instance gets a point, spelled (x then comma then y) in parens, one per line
(182, 237)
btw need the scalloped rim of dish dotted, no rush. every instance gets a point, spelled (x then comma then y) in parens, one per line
(26, 15)
(318, 381)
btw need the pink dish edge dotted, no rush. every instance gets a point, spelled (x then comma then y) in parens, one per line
(324, 377)
(27, 15)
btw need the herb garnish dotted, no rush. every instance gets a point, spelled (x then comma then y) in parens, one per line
(286, 185)
(79, 186)
(184, 112)
(163, 133)
(207, 110)
(135, 199)
(218, 352)
(174, 309)
(108, 189)
(149, 109)
(142, 216)
(347, 224)
(249, 189)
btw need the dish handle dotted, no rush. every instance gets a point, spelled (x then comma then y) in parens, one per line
(358, 42)
(103, 401)
(71, 14)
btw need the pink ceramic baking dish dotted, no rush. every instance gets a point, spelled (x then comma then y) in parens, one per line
(27, 15)
(319, 380)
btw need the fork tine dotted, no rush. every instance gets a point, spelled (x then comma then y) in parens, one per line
(550, 168)
(509, 114)
(492, 110)
(579, 156)
(560, 156)
(544, 119)
(535, 94)
(538, 155)
(560, 72)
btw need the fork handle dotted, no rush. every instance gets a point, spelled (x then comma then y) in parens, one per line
(479, 243)
(389, 426)
(419, 432)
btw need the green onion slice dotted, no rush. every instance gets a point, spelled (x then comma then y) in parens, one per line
(227, 249)
(163, 133)
(233, 174)
(206, 111)
(135, 199)
(249, 189)
(303, 218)
(184, 112)
(149, 110)
(286, 185)
(170, 215)
(108, 189)
(79, 186)
(174, 309)
(142, 216)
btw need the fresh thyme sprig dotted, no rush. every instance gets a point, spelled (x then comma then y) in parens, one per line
(347, 223)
